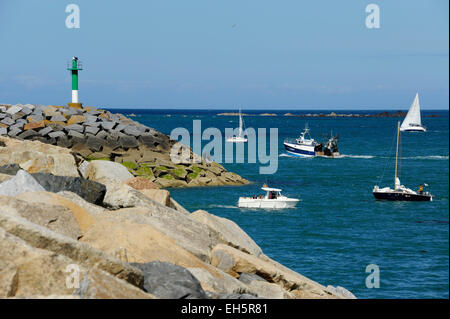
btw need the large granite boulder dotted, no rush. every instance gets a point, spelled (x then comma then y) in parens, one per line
(229, 232)
(69, 198)
(59, 245)
(34, 157)
(106, 169)
(161, 196)
(168, 281)
(267, 290)
(30, 272)
(10, 169)
(83, 217)
(5, 177)
(141, 241)
(54, 217)
(341, 291)
(235, 262)
(98, 284)
(91, 191)
(225, 284)
(21, 183)
(175, 205)
(188, 233)
(231, 296)
(138, 183)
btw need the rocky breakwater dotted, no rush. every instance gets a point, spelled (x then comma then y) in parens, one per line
(112, 235)
(95, 134)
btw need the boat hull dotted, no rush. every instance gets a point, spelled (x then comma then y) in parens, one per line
(416, 129)
(236, 139)
(266, 203)
(399, 196)
(300, 150)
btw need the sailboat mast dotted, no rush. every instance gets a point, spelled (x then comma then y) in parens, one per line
(396, 156)
(240, 123)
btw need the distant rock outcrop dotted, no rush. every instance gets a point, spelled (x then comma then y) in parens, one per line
(334, 114)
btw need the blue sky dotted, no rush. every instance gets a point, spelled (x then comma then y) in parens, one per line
(286, 54)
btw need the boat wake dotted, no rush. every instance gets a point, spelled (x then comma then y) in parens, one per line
(352, 156)
(432, 157)
(423, 157)
(221, 206)
(294, 156)
(323, 156)
(287, 155)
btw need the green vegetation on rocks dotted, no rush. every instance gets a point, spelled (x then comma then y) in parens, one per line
(192, 176)
(179, 172)
(144, 171)
(130, 165)
(195, 172)
(196, 169)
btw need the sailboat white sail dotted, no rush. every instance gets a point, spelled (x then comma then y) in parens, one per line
(240, 137)
(412, 121)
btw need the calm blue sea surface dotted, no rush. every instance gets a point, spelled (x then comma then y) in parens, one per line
(339, 228)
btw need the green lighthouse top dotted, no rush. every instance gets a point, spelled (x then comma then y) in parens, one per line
(76, 65)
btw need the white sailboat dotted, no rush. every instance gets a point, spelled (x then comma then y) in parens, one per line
(400, 192)
(240, 137)
(412, 121)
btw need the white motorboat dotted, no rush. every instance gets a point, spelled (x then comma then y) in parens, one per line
(240, 137)
(272, 199)
(412, 121)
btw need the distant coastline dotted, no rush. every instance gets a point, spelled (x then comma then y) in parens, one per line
(331, 114)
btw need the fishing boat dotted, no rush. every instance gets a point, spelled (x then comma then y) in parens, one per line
(240, 137)
(272, 199)
(305, 146)
(400, 192)
(412, 121)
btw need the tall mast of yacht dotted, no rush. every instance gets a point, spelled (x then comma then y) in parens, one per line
(240, 122)
(396, 156)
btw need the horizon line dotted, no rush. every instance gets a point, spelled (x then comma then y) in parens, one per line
(269, 109)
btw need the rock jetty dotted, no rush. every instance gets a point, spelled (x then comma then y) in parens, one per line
(109, 234)
(95, 134)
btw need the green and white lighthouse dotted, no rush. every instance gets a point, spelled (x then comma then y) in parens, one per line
(76, 66)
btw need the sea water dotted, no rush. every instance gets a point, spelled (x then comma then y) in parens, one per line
(338, 228)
